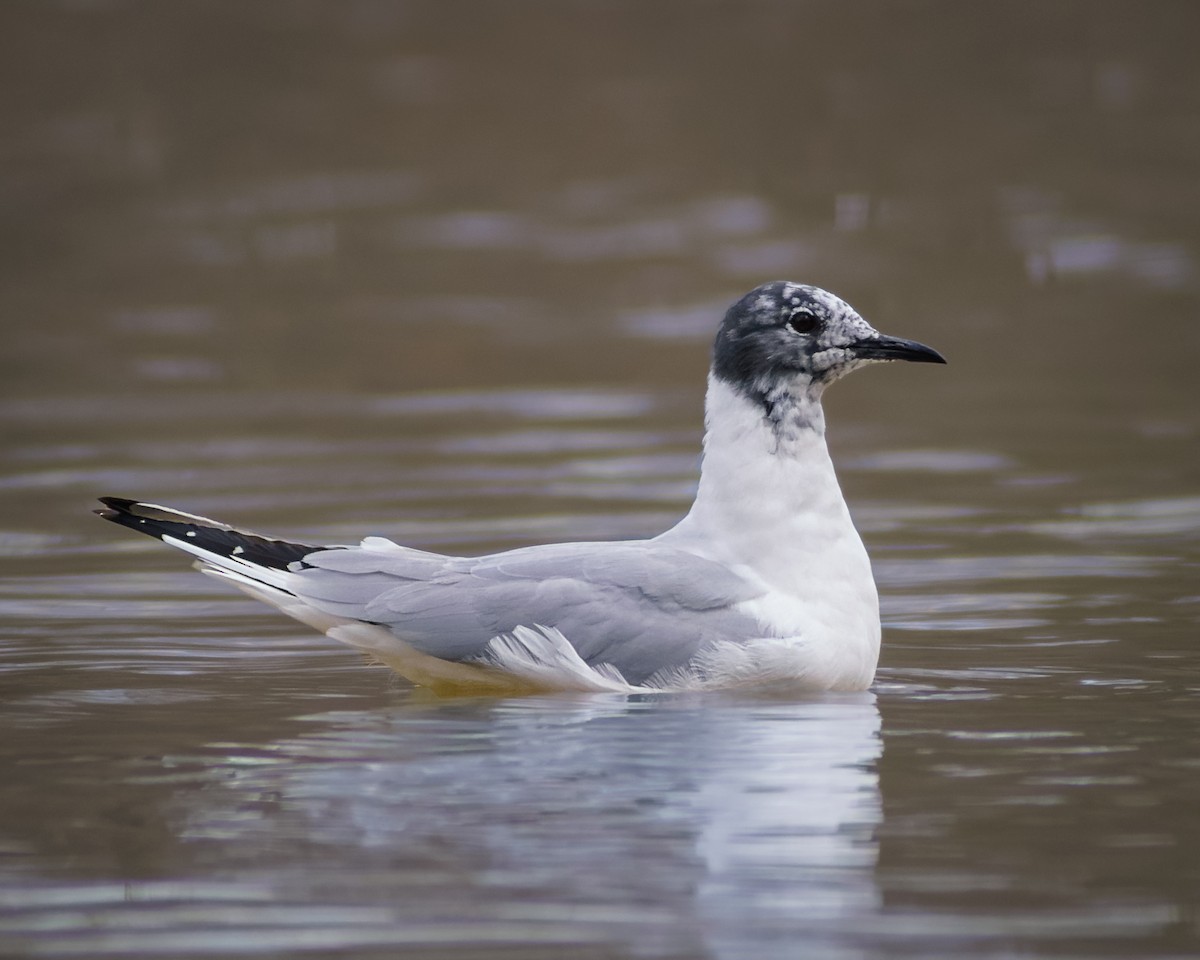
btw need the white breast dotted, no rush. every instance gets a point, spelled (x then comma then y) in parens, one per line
(769, 506)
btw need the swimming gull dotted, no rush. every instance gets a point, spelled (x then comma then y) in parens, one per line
(765, 582)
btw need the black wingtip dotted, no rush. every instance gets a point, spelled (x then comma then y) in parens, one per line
(114, 507)
(210, 535)
(121, 510)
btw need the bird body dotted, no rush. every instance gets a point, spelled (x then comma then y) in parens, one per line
(764, 583)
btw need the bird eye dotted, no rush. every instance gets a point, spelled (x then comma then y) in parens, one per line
(802, 322)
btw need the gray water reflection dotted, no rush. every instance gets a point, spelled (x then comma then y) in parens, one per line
(674, 827)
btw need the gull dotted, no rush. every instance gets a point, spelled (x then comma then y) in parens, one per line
(765, 583)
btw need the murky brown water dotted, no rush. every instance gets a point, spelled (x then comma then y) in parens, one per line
(448, 272)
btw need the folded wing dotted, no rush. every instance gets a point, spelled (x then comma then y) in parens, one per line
(638, 607)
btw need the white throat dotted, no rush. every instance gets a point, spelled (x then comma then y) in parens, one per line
(768, 495)
(769, 506)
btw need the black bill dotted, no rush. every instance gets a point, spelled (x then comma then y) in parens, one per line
(894, 348)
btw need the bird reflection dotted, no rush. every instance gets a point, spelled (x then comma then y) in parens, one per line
(725, 826)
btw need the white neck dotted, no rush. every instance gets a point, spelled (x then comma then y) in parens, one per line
(769, 506)
(768, 496)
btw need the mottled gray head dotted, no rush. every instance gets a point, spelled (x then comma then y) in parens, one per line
(788, 337)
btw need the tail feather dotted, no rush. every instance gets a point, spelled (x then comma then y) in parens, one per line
(207, 539)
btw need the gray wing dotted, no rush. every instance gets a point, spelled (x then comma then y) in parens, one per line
(636, 605)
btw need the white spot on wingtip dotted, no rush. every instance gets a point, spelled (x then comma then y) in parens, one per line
(237, 551)
(190, 533)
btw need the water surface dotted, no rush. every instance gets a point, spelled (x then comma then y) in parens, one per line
(324, 270)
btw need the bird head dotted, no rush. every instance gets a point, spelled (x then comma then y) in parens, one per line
(790, 338)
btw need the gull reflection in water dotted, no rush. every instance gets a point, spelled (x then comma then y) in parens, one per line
(717, 826)
(787, 823)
